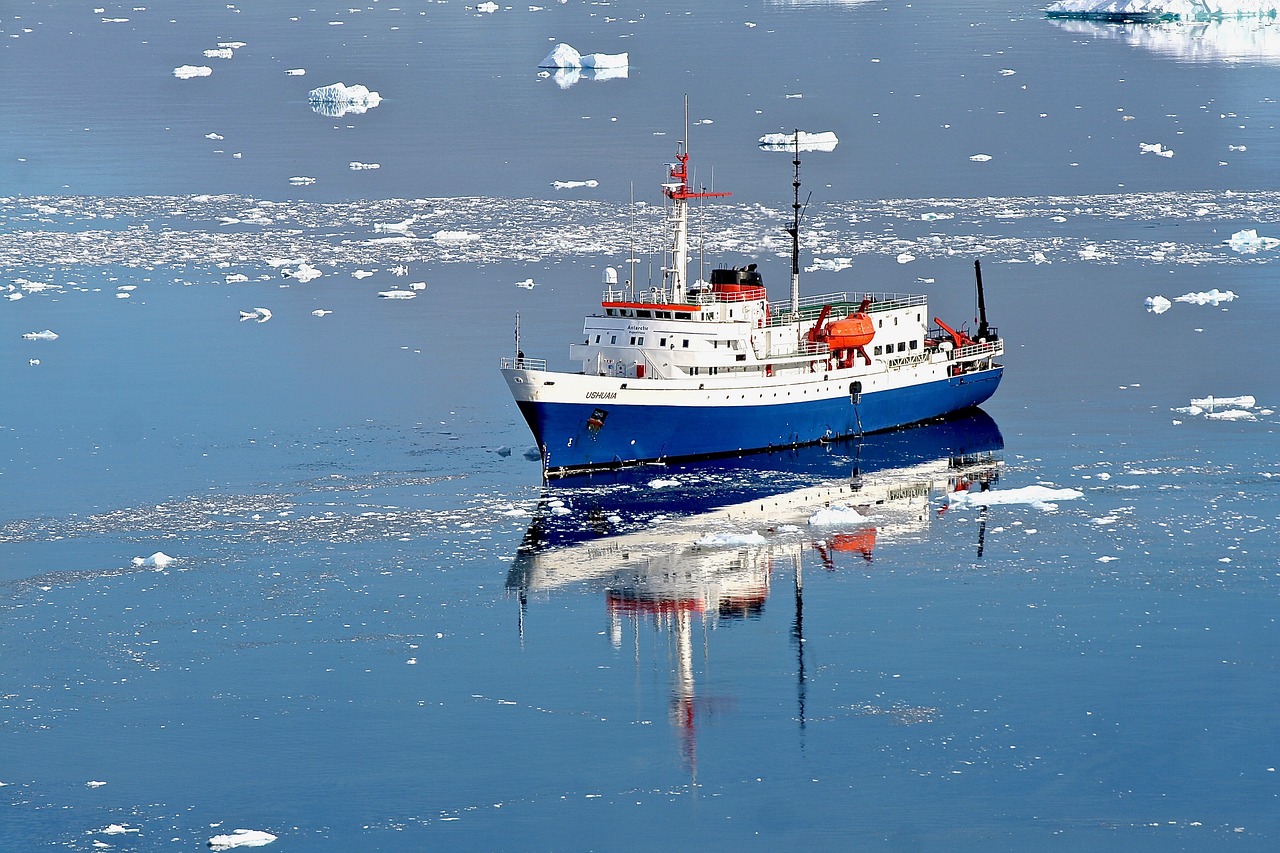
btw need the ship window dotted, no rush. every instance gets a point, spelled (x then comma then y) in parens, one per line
(682, 315)
(895, 321)
(609, 312)
(643, 314)
(633, 340)
(597, 339)
(662, 315)
(686, 343)
(881, 323)
(662, 342)
(902, 346)
(613, 339)
(640, 341)
(742, 356)
(693, 371)
(713, 370)
(879, 349)
(914, 344)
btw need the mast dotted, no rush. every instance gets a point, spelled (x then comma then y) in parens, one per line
(982, 303)
(794, 230)
(677, 271)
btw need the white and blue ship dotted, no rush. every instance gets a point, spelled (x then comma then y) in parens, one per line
(714, 368)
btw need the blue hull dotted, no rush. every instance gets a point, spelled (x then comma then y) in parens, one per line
(581, 436)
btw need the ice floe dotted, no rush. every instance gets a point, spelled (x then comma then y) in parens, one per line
(304, 273)
(118, 829)
(186, 72)
(1154, 148)
(241, 838)
(158, 560)
(1207, 297)
(260, 315)
(1039, 497)
(1184, 10)
(730, 540)
(397, 294)
(980, 158)
(339, 99)
(527, 284)
(46, 335)
(565, 56)
(1224, 408)
(321, 312)
(1157, 304)
(1247, 240)
(835, 516)
(570, 185)
(825, 140)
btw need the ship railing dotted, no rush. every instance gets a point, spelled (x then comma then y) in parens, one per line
(522, 363)
(974, 350)
(843, 303)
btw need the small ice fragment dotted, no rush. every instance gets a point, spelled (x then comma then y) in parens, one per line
(241, 838)
(320, 312)
(1157, 304)
(158, 560)
(662, 484)
(730, 540)
(303, 273)
(570, 185)
(1007, 72)
(118, 829)
(295, 72)
(906, 258)
(397, 294)
(1039, 497)
(34, 362)
(487, 7)
(1154, 148)
(218, 53)
(357, 166)
(454, 237)
(417, 285)
(186, 72)
(361, 274)
(1248, 240)
(213, 136)
(338, 99)
(46, 335)
(237, 278)
(980, 158)
(94, 784)
(302, 181)
(527, 284)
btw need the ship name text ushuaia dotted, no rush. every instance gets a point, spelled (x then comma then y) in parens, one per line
(713, 368)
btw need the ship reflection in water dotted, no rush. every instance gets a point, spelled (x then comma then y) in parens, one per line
(685, 549)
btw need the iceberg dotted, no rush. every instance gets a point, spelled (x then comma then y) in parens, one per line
(1247, 240)
(338, 99)
(241, 838)
(1207, 297)
(1161, 10)
(1157, 304)
(605, 60)
(158, 560)
(46, 335)
(566, 56)
(822, 141)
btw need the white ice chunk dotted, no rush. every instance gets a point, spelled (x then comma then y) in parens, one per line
(730, 540)
(662, 484)
(1040, 497)
(296, 72)
(487, 8)
(1157, 304)
(836, 516)
(118, 829)
(527, 284)
(320, 312)
(605, 60)
(1245, 401)
(338, 99)
(186, 72)
(304, 273)
(1248, 241)
(46, 335)
(1206, 297)
(397, 294)
(361, 274)
(980, 158)
(158, 560)
(569, 185)
(562, 56)
(241, 838)
(446, 237)
(824, 140)
(1154, 148)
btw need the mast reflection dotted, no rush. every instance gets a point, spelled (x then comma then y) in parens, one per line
(688, 549)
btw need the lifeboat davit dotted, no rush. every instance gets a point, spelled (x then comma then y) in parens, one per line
(852, 332)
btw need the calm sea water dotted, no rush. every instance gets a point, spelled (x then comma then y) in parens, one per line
(380, 632)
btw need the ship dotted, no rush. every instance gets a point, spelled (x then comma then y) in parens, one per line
(682, 371)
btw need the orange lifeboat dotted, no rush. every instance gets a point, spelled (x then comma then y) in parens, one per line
(852, 332)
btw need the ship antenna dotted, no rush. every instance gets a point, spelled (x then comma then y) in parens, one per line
(797, 212)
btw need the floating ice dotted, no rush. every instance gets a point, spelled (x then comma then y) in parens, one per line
(730, 540)
(566, 56)
(260, 315)
(118, 829)
(833, 265)
(46, 335)
(302, 181)
(825, 140)
(1154, 148)
(218, 53)
(980, 158)
(1223, 408)
(1247, 240)
(338, 99)
(452, 237)
(532, 453)
(1207, 297)
(397, 294)
(94, 784)
(1182, 10)
(186, 72)
(569, 185)
(835, 516)
(1039, 497)
(1157, 304)
(158, 560)
(527, 284)
(662, 484)
(296, 72)
(304, 273)
(357, 166)
(358, 274)
(241, 838)
(401, 227)
(320, 312)
(488, 8)
(906, 258)
(236, 278)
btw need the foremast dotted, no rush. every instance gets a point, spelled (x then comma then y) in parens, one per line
(675, 274)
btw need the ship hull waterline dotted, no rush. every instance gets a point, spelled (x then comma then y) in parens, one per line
(579, 437)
